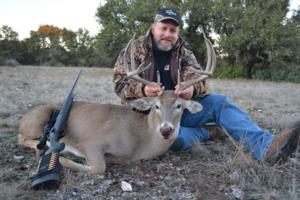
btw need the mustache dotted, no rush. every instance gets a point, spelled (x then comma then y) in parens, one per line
(167, 38)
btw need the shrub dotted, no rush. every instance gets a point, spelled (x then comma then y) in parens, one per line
(279, 72)
(228, 72)
(11, 62)
(2, 61)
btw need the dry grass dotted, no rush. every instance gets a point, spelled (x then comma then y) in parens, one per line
(213, 170)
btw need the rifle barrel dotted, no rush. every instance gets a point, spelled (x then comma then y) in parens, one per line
(75, 82)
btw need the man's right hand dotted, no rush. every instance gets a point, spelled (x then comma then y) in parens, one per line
(153, 91)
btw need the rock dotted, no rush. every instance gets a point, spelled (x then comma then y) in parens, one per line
(18, 158)
(126, 187)
(236, 192)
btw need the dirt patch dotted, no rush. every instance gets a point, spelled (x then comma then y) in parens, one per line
(213, 170)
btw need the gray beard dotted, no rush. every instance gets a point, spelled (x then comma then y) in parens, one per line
(163, 47)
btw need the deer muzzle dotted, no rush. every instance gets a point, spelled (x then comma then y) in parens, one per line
(166, 130)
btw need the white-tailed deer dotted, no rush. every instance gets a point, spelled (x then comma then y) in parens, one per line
(103, 133)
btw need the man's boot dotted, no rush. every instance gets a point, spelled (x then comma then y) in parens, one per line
(283, 145)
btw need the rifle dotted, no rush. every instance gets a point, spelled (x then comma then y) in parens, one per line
(49, 167)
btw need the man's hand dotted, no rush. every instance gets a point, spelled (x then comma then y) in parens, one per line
(186, 93)
(153, 91)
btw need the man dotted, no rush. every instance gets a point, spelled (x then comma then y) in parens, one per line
(164, 49)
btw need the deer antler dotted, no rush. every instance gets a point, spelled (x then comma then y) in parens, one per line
(207, 73)
(133, 71)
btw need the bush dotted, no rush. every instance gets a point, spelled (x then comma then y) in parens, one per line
(279, 71)
(2, 61)
(11, 62)
(228, 72)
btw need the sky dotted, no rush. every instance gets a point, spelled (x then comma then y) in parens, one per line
(24, 16)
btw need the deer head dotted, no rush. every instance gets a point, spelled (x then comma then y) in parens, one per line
(165, 110)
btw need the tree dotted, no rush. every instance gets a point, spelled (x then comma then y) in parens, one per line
(52, 45)
(293, 37)
(84, 47)
(7, 33)
(50, 36)
(49, 45)
(252, 31)
(47, 39)
(198, 18)
(12, 50)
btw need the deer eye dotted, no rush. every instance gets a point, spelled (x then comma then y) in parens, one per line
(178, 106)
(157, 107)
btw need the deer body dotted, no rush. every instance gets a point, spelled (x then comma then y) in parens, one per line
(103, 133)
(112, 133)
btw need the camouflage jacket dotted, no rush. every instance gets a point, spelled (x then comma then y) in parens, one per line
(181, 58)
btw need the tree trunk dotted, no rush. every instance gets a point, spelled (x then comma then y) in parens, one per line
(247, 68)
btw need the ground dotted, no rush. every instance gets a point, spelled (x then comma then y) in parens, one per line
(213, 170)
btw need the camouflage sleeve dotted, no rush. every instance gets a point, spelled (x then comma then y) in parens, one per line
(189, 60)
(124, 87)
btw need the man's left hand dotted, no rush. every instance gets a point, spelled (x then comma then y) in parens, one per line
(186, 93)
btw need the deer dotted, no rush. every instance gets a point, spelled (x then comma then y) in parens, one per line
(111, 133)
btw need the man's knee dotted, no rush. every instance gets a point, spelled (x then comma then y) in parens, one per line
(215, 98)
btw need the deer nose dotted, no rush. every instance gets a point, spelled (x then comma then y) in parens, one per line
(166, 131)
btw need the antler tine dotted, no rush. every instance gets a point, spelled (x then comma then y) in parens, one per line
(132, 48)
(211, 59)
(158, 78)
(133, 71)
(178, 77)
(210, 67)
(159, 83)
(211, 56)
(125, 54)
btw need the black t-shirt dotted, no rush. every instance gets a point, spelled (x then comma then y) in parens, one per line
(162, 64)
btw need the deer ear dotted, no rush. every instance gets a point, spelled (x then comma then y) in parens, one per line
(141, 103)
(192, 106)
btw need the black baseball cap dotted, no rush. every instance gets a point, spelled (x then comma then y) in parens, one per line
(168, 13)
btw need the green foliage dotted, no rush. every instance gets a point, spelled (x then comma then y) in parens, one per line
(8, 62)
(288, 44)
(7, 33)
(198, 17)
(228, 72)
(253, 31)
(84, 51)
(11, 62)
(52, 57)
(12, 51)
(51, 45)
(279, 72)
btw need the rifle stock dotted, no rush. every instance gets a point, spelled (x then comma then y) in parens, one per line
(49, 166)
